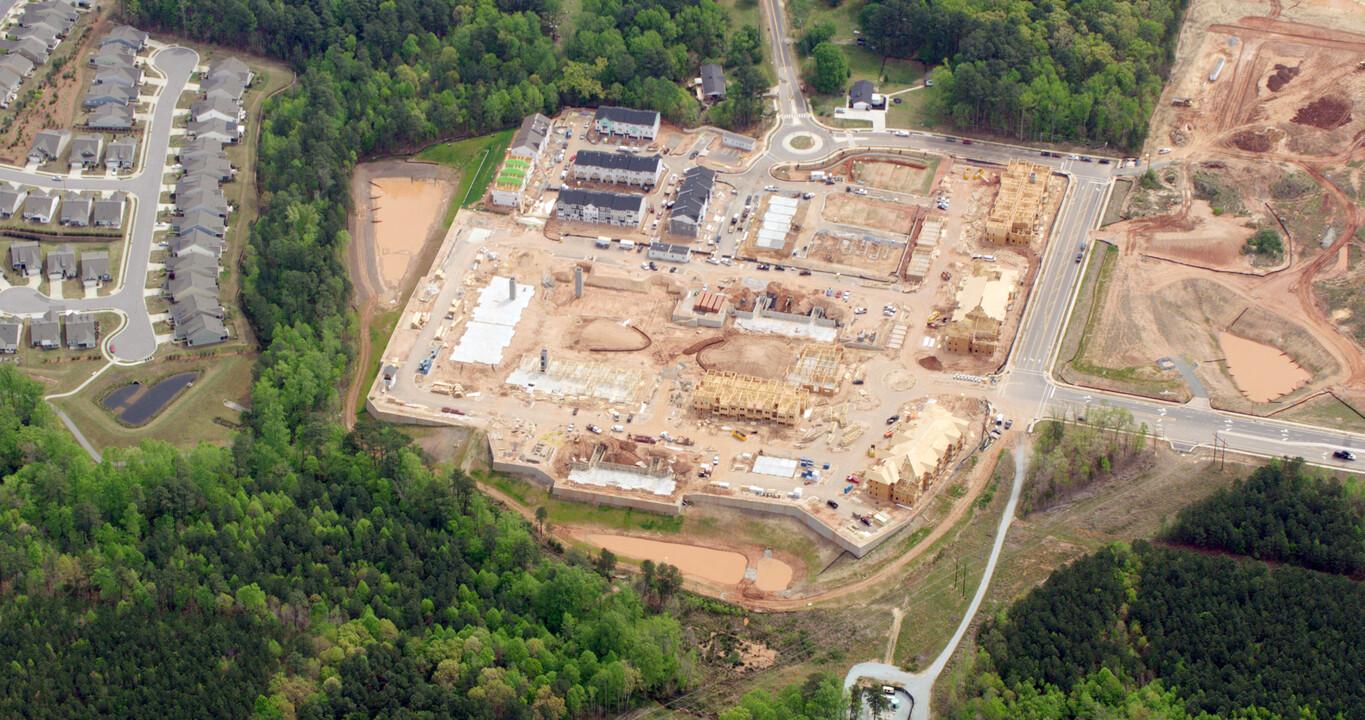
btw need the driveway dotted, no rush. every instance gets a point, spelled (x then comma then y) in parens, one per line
(136, 341)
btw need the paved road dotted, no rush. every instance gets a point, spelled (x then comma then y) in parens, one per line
(137, 340)
(920, 686)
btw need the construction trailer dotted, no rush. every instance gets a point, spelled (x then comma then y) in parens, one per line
(746, 397)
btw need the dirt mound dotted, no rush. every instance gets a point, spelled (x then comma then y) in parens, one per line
(759, 356)
(931, 363)
(1283, 74)
(608, 335)
(1253, 141)
(1327, 113)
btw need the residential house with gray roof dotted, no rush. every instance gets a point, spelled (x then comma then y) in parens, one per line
(216, 166)
(600, 207)
(121, 154)
(61, 262)
(40, 207)
(712, 83)
(626, 121)
(95, 268)
(25, 257)
(31, 49)
(185, 285)
(529, 139)
(11, 330)
(223, 86)
(86, 150)
(198, 242)
(48, 145)
(216, 109)
(108, 94)
(201, 330)
(230, 67)
(191, 262)
(108, 212)
(82, 331)
(46, 332)
(11, 200)
(195, 305)
(125, 35)
(75, 210)
(220, 130)
(124, 75)
(209, 199)
(114, 55)
(199, 220)
(17, 64)
(111, 117)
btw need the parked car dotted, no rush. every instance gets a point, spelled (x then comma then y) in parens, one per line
(1163, 151)
(832, 504)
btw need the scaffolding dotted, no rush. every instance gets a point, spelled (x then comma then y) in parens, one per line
(1014, 217)
(817, 368)
(746, 397)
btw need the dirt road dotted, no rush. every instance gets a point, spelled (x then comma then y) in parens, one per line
(370, 293)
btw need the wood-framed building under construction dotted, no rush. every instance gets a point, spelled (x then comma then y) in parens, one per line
(747, 397)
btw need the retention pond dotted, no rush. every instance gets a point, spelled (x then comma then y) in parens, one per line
(136, 403)
(1262, 372)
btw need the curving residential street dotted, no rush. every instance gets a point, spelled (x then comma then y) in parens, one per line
(136, 341)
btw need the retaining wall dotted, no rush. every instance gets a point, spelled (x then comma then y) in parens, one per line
(794, 511)
(635, 503)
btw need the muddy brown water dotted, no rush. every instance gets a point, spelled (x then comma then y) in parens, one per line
(404, 210)
(773, 575)
(1262, 372)
(718, 566)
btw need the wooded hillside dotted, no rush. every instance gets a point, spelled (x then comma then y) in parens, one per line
(1086, 71)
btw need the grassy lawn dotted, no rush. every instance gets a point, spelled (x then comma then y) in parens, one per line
(381, 329)
(185, 422)
(848, 124)
(913, 110)
(744, 12)
(888, 74)
(844, 18)
(476, 158)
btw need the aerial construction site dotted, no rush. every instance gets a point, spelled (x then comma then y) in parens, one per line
(825, 367)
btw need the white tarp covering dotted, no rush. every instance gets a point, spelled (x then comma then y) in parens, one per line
(602, 477)
(775, 466)
(492, 324)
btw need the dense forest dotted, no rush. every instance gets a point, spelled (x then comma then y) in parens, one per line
(1037, 70)
(1283, 513)
(336, 578)
(1175, 631)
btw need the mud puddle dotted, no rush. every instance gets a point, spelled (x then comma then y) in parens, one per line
(717, 566)
(404, 210)
(1262, 372)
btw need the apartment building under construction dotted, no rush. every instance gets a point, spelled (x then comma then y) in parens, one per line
(746, 397)
(1016, 216)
